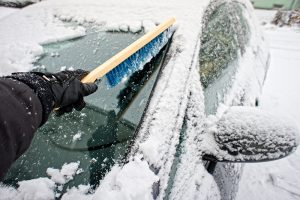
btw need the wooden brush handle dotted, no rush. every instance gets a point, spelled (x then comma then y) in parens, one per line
(114, 61)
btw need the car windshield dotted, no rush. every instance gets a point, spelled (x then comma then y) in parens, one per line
(101, 133)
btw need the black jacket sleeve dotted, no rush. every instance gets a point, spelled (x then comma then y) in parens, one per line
(21, 113)
(26, 101)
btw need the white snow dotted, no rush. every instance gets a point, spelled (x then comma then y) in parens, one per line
(56, 176)
(43, 188)
(35, 189)
(4, 12)
(253, 134)
(65, 174)
(79, 192)
(278, 180)
(265, 16)
(21, 41)
(132, 181)
(192, 181)
(7, 192)
(77, 136)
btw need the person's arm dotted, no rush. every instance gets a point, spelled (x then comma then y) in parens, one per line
(20, 116)
(26, 101)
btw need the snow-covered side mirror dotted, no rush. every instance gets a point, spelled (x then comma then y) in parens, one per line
(248, 134)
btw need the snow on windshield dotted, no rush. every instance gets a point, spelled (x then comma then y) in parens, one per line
(24, 33)
(42, 188)
(6, 11)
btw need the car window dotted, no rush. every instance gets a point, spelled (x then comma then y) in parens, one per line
(100, 134)
(224, 37)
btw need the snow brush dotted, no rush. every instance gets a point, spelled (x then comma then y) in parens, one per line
(133, 57)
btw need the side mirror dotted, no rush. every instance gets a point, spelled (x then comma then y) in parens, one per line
(248, 134)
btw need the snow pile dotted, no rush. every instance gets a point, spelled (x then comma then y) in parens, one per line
(21, 40)
(80, 192)
(7, 192)
(136, 15)
(42, 188)
(35, 189)
(6, 11)
(9, 53)
(132, 181)
(65, 174)
(265, 16)
(134, 27)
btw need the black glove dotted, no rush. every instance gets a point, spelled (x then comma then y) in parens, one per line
(68, 91)
(62, 90)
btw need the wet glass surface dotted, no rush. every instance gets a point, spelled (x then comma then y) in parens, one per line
(100, 134)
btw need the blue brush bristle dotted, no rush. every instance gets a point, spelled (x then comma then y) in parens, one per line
(137, 60)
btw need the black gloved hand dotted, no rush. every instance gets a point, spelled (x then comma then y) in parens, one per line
(68, 91)
(61, 90)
